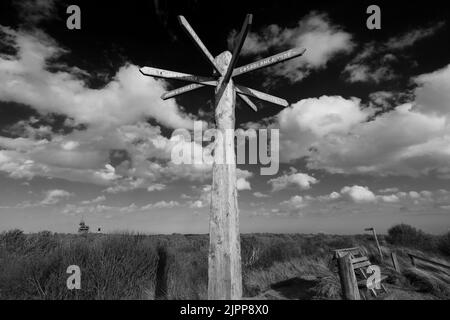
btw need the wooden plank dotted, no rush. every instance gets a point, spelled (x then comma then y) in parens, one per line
(178, 91)
(269, 61)
(360, 259)
(361, 264)
(237, 48)
(261, 95)
(347, 278)
(395, 263)
(348, 249)
(166, 74)
(248, 102)
(413, 256)
(198, 42)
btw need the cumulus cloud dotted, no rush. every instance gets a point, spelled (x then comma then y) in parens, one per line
(315, 32)
(242, 177)
(95, 200)
(128, 98)
(301, 180)
(308, 121)
(260, 195)
(242, 184)
(110, 142)
(161, 205)
(55, 196)
(390, 198)
(432, 95)
(343, 136)
(293, 206)
(359, 194)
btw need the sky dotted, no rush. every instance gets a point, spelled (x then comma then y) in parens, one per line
(364, 142)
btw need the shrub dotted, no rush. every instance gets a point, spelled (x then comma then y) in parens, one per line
(408, 236)
(444, 244)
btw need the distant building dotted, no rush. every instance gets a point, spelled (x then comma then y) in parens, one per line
(83, 228)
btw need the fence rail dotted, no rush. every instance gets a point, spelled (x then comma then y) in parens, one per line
(413, 257)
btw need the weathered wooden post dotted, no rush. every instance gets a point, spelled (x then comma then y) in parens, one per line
(347, 276)
(224, 260)
(376, 241)
(224, 273)
(413, 262)
(395, 262)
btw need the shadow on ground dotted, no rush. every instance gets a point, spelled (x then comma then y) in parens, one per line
(294, 289)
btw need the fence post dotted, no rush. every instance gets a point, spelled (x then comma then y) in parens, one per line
(395, 262)
(412, 260)
(347, 276)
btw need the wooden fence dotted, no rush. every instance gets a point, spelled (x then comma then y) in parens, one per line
(413, 257)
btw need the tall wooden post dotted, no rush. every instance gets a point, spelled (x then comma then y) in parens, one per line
(376, 241)
(347, 276)
(224, 272)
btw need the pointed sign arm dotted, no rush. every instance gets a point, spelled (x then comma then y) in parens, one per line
(197, 41)
(179, 91)
(237, 48)
(261, 95)
(269, 61)
(248, 101)
(166, 74)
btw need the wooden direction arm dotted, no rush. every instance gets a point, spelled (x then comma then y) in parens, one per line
(197, 41)
(160, 73)
(261, 95)
(269, 61)
(248, 101)
(178, 91)
(237, 48)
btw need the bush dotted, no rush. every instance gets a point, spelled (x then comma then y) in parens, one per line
(444, 244)
(408, 236)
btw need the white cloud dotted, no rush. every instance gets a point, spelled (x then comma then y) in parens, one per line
(116, 118)
(260, 195)
(414, 194)
(55, 196)
(156, 187)
(400, 142)
(308, 121)
(161, 205)
(293, 206)
(359, 194)
(242, 177)
(388, 190)
(390, 198)
(315, 32)
(433, 92)
(128, 98)
(301, 180)
(410, 37)
(342, 136)
(95, 200)
(242, 184)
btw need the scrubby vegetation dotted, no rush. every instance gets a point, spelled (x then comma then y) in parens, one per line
(134, 266)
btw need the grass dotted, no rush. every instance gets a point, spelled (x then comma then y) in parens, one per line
(134, 266)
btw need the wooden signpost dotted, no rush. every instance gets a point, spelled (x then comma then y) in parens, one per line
(224, 261)
(376, 241)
